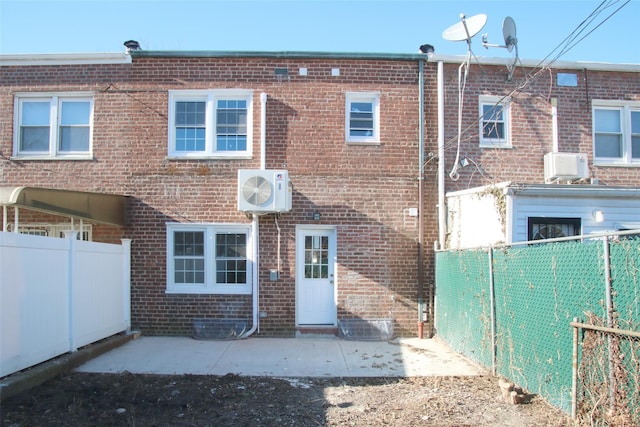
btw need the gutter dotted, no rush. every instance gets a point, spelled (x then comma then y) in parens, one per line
(452, 59)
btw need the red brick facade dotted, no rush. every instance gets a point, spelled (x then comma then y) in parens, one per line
(362, 190)
(365, 191)
(531, 92)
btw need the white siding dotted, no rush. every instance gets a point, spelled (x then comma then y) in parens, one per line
(617, 211)
(473, 221)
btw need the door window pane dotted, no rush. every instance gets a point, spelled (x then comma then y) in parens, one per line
(316, 257)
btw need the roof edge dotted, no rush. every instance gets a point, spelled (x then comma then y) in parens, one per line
(126, 58)
(22, 59)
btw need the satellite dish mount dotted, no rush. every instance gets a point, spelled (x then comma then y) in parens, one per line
(463, 30)
(510, 41)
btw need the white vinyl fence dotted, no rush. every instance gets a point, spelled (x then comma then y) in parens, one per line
(57, 295)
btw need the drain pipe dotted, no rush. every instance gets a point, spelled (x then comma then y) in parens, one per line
(442, 219)
(255, 225)
(421, 202)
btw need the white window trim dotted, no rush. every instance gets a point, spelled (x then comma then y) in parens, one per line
(495, 142)
(54, 98)
(374, 98)
(210, 97)
(625, 108)
(209, 286)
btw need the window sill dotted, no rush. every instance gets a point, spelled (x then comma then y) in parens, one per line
(616, 165)
(41, 158)
(211, 157)
(374, 143)
(496, 145)
(209, 291)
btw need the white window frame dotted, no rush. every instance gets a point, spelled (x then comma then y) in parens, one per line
(625, 108)
(55, 101)
(366, 97)
(209, 286)
(484, 100)
(210, 97)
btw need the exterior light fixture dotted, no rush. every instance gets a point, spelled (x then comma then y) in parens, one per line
(316, 216)
(598, 215)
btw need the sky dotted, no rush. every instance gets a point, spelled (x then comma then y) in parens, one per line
(544, 28)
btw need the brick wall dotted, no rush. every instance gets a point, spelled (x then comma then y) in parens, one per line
(531, 122)
(362, 190)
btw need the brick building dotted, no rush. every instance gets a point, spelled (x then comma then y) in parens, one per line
(361, 145)
(543, 151)
(171, 130)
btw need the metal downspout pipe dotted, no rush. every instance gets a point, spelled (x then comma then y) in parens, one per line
(421, 202)
(442, 212)
(255, 224)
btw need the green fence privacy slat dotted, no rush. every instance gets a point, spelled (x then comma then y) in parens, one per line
(463, 308)
(538, 290)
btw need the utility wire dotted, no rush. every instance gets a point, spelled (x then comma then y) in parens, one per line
(569, 43)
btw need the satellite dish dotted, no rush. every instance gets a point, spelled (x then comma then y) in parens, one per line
(465, 29)
(510, 41)
(509, 33)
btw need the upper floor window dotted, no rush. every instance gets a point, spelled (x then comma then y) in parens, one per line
(212, 123)
(208, 258)
(494, 122)
(616, 132)
(362, 121)
(53, 126)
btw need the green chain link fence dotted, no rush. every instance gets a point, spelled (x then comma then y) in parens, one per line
(509, 308)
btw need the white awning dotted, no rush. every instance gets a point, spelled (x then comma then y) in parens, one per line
(99, 207)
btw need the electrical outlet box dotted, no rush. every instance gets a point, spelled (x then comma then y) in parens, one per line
(274, 275)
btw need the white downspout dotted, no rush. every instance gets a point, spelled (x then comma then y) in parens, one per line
(263, 131)
(255, 224)
(554, 123)
(16, 221)
(442, 212)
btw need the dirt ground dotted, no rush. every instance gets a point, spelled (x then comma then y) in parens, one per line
(81, 399)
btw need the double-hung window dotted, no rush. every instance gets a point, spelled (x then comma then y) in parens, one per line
(362, 121)
(494, 122)
(616, 133)
(208, 259)
(210, 123)
(53, 126)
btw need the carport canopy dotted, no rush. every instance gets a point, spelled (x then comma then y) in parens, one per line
(98, 207)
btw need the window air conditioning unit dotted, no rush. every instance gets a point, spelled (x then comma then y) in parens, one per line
(560, 167)
(264, 191)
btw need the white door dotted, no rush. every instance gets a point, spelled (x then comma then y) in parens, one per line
(315, 281)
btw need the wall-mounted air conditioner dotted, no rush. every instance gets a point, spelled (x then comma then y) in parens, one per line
(264, 191)
(564, 167)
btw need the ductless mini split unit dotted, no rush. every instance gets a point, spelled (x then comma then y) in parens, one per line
(264, 191)
(565, 167)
